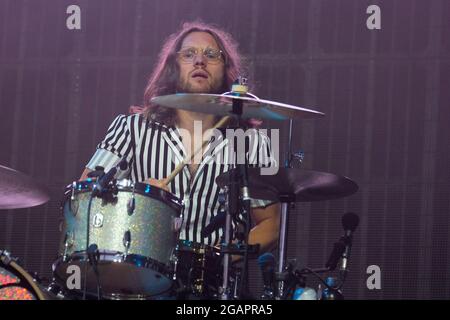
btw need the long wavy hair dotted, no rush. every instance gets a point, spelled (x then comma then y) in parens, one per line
(165, 76)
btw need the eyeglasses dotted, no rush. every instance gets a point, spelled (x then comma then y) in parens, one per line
(213, 56)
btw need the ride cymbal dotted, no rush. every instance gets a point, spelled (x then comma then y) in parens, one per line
(18, 190)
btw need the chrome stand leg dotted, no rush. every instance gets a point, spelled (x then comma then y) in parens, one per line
(282, 248)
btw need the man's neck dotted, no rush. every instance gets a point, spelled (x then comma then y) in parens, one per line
(185, 120)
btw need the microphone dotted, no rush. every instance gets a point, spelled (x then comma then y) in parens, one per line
(92, 252)
(336, 254)
(266, 263)
(349, 222)
(216, 223)
(93, 256)
(102, 183)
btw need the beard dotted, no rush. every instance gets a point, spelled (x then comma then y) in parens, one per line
(214, 87)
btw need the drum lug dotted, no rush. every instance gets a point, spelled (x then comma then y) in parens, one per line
(131, 205)
(74, 185)
(68, 242)
(73, 202)
(126, 242)
(6, 257)
(176, 223)
(174, 260)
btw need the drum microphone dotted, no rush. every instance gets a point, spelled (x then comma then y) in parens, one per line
(336, 255)
(92, 253)
(266, 263)
(93, 256)
(349, 221)
(102, 182)
(217, 222)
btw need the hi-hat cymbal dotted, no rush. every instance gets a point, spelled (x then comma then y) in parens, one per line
(222, 105)
(302, 185)
(18, 190)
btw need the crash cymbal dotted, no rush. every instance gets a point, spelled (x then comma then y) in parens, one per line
(18, 190)
(302, 185)
(221, 105)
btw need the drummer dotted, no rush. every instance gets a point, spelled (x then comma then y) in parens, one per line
(199, 58)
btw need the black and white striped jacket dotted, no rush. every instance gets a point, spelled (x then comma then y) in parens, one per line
(153, 150)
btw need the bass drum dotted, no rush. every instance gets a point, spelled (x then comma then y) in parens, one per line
(16, 283)
(134, 230)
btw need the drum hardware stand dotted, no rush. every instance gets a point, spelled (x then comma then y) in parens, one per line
(224, 290)
(282, 275)
(291, 156)
(341, 252)
(236, 285)
(300, 277)
(286, 277)
(238, 201)
(290, 281)
(287, 201)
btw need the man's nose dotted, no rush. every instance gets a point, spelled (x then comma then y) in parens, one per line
(199, 59)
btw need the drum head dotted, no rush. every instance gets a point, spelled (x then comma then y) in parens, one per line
(17, 284)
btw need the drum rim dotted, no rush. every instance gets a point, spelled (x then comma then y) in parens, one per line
(26, 280)
(149, 263)
(196, 247)
(81, 256)
(139, 187)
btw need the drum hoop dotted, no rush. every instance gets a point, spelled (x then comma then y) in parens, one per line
(25, 279)
(195, 247)
(149, 263)
(140, 188)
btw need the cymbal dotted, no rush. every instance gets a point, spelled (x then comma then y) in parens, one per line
(18, 190)
(303, 185)
(221, 105)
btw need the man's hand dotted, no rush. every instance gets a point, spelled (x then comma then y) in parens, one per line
(158, 183)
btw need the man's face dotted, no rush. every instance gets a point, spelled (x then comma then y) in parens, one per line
(200, 74)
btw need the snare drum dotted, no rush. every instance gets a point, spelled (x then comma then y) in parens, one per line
(135, 228)
(197, 269)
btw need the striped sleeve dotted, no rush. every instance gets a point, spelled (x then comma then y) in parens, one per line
(115, 146)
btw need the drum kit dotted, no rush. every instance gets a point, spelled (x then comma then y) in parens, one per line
(124, 244)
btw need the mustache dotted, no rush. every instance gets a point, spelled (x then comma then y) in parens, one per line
(199, 69)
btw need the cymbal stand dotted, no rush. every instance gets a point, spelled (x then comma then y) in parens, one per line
(281, 276)
(287, 201)
(225, 291)
(237, 202)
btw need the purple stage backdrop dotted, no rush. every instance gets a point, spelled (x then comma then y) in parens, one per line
(382, 78)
